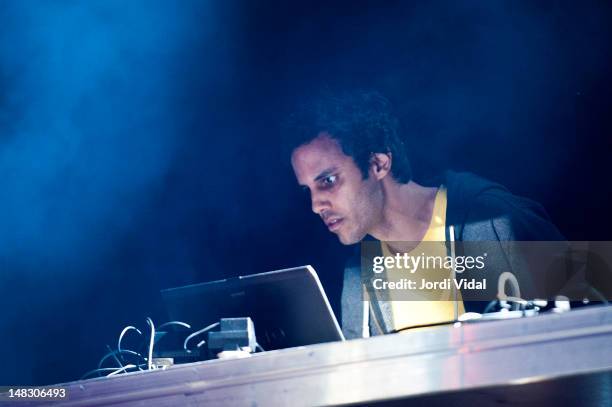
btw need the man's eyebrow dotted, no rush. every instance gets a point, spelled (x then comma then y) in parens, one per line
(325, 173)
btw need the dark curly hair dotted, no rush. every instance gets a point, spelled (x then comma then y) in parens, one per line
(361, 121)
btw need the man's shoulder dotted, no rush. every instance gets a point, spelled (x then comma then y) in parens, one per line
(477, 207)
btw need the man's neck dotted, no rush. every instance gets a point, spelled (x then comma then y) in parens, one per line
(407, 212)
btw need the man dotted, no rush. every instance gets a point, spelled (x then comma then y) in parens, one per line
(349, 154)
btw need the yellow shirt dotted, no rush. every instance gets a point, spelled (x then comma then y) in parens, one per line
(435, 305)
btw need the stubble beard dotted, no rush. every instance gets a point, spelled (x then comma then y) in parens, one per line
(365, 214)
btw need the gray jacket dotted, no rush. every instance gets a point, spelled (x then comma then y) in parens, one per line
(478, 210)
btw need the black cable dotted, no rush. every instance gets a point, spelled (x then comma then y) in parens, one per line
(422, 326)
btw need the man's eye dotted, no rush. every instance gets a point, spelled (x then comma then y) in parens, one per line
(329, 180)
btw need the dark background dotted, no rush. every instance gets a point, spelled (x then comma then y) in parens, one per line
(140, 141)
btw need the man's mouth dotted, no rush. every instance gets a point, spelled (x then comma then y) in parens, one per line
(333, 223)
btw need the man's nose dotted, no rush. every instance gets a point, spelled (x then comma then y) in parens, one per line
(319, 203)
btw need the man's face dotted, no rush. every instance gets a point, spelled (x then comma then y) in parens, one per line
(348, 204)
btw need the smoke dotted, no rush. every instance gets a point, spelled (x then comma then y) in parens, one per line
(86, 124)
(89, 128)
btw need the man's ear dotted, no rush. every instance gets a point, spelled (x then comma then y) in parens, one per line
(380, 164)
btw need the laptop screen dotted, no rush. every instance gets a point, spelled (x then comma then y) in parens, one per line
(288, 307)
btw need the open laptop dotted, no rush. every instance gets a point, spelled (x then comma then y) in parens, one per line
(288, 307)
